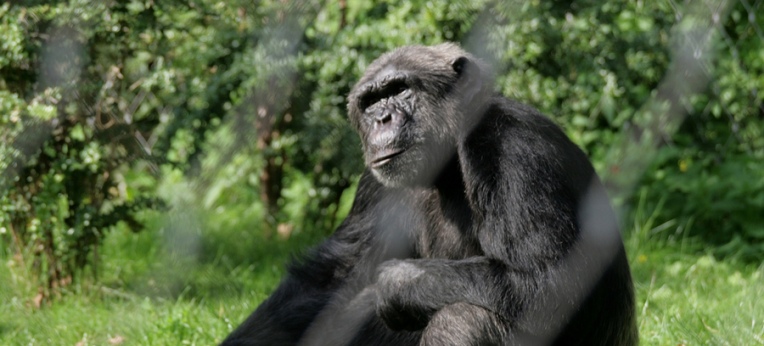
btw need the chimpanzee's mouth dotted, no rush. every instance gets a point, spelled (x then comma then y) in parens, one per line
(385, 156)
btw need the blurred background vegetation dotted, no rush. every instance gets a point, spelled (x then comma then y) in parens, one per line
(159, 160)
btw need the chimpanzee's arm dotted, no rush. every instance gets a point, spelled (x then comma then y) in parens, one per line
(526, 183)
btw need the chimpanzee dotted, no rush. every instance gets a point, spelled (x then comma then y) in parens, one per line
(476, 222)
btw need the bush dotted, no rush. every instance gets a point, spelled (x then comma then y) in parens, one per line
(102, 104)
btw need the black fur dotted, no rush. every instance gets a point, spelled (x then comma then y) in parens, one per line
(478, 222)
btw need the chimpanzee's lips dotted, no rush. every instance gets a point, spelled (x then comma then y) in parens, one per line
(384, 156)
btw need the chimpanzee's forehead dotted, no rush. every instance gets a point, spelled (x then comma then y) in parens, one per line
(414, 59)
(423, 62)
(388, 71)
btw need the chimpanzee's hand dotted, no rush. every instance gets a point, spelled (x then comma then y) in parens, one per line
(399, 283)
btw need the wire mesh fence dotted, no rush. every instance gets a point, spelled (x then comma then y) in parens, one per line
(233, 116)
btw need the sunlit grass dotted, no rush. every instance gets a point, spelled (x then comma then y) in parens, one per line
(697, 300)
(688, 297)
(148, 294)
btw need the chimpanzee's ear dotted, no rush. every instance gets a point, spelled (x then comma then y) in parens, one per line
(470, 81)
(460, 64)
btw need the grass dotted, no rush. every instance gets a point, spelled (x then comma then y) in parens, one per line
(153, 291)
(697, 300)
(686, 296)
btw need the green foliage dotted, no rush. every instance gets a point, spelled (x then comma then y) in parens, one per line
(591, 66)
(64, 181)
(612, 74)
(238, 109)
(708, 175)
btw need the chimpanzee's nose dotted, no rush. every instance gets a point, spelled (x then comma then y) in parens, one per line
(384, 117)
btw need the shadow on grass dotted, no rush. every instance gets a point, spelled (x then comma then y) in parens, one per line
(233, 264)
(200, 258)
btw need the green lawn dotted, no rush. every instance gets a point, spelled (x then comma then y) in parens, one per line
(691, 299)
(152, 294)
